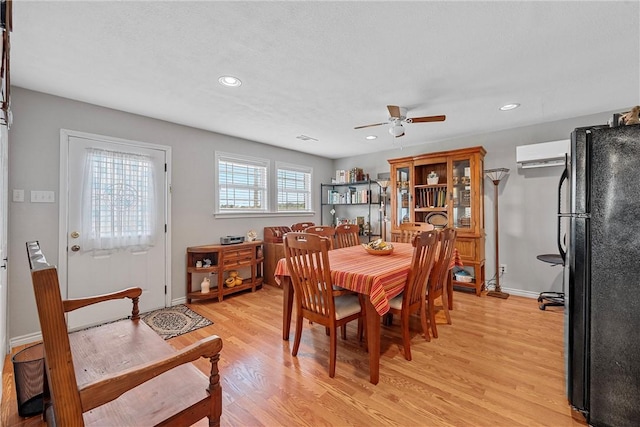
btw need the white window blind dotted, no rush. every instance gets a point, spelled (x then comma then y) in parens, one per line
(242, 183)
(118, 201)
(294, 188)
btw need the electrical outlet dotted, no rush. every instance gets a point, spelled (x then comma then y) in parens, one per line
(503, 269)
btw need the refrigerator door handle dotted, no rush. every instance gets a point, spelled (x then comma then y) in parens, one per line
(563, 177)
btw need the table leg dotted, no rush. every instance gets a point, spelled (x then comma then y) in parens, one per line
(373, 341)
(287, 306)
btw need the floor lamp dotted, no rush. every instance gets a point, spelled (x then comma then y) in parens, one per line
(496, 175)
(383, 183)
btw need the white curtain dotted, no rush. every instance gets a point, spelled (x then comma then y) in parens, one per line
(118, 201)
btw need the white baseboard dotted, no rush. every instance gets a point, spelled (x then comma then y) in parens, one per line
(25, 339)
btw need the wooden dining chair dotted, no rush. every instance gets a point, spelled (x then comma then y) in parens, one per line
(308, 264)
(347, 235)
(412, 299)
(301, 226)
(437, 284)
(409, 230)
(325, 231)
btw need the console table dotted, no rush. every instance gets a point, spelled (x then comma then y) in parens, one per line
(247, 258)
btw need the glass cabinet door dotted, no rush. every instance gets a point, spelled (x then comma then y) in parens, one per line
(402, 196)
(461, 183)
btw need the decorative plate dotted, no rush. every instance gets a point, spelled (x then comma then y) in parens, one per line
(438, 219)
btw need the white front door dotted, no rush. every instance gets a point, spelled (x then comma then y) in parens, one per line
(115, 234)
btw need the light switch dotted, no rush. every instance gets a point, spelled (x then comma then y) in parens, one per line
(43, 197)
(18, 195)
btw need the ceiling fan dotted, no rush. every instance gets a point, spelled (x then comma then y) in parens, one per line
(397, 116)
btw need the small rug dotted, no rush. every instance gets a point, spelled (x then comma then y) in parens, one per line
(173, 321)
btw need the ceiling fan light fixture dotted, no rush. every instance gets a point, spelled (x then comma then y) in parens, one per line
(396, 130)
(229, 81)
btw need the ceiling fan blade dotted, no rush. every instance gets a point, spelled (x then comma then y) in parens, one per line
(368, 126)
(428, 119)
(394, 110)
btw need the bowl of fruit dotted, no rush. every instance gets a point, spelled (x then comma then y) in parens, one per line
(378, 247)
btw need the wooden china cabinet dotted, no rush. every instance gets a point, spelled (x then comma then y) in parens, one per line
(444, 189)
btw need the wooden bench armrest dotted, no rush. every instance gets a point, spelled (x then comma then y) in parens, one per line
(109, 388)
(133, 293)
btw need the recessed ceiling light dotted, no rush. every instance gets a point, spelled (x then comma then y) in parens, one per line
(370, 137)
(229, 81)
(508, 107)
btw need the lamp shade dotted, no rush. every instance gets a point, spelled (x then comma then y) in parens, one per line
(384, 183)
(496, 175)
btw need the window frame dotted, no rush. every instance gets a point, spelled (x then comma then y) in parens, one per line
(293, 168)
(249, 161)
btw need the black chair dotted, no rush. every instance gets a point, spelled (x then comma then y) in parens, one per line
(551, 299)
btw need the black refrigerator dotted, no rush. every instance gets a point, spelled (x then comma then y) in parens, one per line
(602, 275)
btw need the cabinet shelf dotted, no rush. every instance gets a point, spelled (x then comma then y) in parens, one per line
(430, 186)
(345, 204)
(444, 209)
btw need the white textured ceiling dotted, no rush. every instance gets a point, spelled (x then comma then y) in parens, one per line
(321, 68)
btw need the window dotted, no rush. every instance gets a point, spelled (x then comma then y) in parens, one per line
(242, 183)
(294, 188)
(118, 201)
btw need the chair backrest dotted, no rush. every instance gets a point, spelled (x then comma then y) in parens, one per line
(325, 231)
(409, 230)
(308, 264)
(347, 235)
(422, 262)
(438, 276)
(301, 226)
(61, 376)
(416, 226)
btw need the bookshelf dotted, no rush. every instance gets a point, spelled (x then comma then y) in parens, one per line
(352, 202)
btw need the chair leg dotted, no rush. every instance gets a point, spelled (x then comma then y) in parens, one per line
(432, 318)
(333, 337)
(424, 321)
(406, 338)
(343, 329)
(298, 335)
(445, 307)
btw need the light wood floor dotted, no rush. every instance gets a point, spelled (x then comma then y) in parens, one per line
(499, 364)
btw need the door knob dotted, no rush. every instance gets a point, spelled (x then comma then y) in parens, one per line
(75, 234)
(75, 248)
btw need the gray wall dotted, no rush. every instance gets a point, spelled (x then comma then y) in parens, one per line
(527, 199)
(34, 163)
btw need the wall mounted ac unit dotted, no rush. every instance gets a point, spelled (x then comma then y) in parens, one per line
(542, 154)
